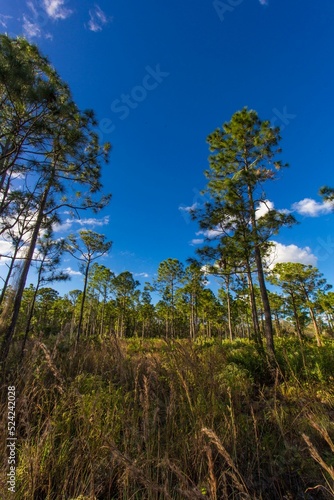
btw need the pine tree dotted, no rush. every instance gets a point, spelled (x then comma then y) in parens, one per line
(302, 283)
(48, 140)
(170, 274)
(90, 247)
(243, 158)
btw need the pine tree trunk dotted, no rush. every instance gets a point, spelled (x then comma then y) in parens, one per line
(255, 319)
(83, 300)
(9, 274)
(23, 278)
(3, 167)
(268, 326)
(316, 327)
(192, 318)
(278, 325)
(295, 313)
(32, 309)
(229, 316)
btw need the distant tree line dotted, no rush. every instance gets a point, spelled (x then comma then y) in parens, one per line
(114, 305)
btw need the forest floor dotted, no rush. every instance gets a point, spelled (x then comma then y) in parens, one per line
(150, 419)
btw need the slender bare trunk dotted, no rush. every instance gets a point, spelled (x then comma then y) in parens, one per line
(9, 333)
(252, 300)
(295, 313)
(316, 327)
(268, 326)
(83, 300)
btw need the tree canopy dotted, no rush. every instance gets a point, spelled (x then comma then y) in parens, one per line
(48, 141)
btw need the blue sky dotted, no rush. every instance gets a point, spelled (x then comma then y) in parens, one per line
(161, 76)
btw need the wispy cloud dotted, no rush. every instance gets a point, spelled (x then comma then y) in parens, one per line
(312, 208)
(3, 20)
(141, 275)
(35, 20)
(127, 253)
(210, 233)
(97, 19)
(196, 241)
(264, 2)
(93, 221)
(33, 8)
(188, 209)
(71, 272)
(30, 28)
(63, 227)
(90, 221)
(56, 9)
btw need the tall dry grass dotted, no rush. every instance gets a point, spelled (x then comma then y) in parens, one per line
(155, 420)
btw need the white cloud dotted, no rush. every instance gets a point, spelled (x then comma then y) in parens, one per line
(23, 232)
(312, 208)
(97, 20)
(71, 272)
(290, 253)
(196, 241)
(210, 233)
(263, 208)
(6, 249)
(205, 269)
(263, 2)
(142, 275)
(91, 221)
(209, 269)
(284, 211)
(189, 209)
(56, 9)
(65, 226)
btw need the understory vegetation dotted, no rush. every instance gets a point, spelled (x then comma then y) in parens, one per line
(156, 419)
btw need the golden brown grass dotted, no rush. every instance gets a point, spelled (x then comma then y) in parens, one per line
(151, 420)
